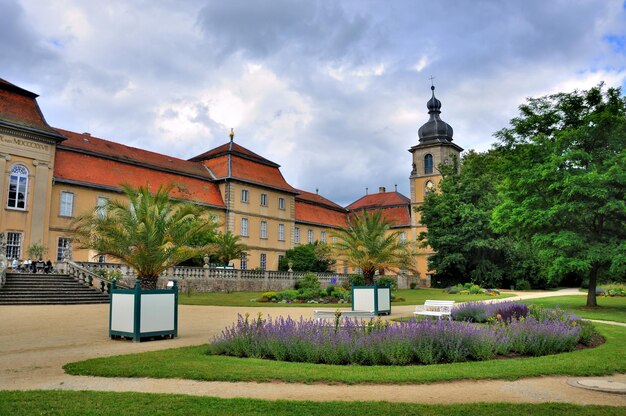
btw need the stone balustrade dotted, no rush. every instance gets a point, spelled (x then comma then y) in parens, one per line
(86, 276)
(203, 279)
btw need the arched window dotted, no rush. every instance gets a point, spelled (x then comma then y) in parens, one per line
(428, 164)
(18, 187)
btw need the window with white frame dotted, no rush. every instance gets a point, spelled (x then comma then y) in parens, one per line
(244, 195)
(264, 200)
(323, 236)
(67, 204)
(263, 229)
(334, 239)
(309, 236)
(18, 187)
(244, 227)
(101, 204)
(345, 267)
(281, 232)
(280, 259)
(403, 236)
(263, 264)
(244, 261)
(14, 245)
(296, 235)
(281, 203)
(63, 244)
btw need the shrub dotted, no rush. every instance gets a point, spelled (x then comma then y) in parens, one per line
(474, 289)
(522, 285)
(453, 290)
(286, 295)
(413, 285)
(356, 280)
(268, 297)
(307, 294)
(612, 289)
(308, 281)
(387, 281)
(330, 289)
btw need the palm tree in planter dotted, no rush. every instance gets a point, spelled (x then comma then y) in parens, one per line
(228, 246)
(369, 244)
(149, 232)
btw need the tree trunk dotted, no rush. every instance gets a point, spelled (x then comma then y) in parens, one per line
(369, 277)
(149, 282)
(591, 294)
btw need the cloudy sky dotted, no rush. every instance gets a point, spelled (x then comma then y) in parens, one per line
(334, 91)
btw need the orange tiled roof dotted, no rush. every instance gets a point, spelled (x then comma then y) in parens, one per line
(19, 107)
(94, 145)
(235, 149)
(249, 171)
(319, 215)
(380, 200)
(395, 216)
(85, 169)
(317, 199)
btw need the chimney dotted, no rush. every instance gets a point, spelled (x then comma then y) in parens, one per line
(367, 191)
(381, 189)
(396, 186)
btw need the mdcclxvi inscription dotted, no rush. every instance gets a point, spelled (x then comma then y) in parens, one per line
(24, 143)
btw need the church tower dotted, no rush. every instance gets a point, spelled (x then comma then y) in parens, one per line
(435, 147)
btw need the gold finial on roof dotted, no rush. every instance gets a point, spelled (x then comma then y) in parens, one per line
(232, 134)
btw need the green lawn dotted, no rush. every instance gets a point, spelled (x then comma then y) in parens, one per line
(411, 296)
(610, 309)
(17, 403)
(194, 363)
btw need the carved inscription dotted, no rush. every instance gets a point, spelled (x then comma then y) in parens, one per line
(24, 143)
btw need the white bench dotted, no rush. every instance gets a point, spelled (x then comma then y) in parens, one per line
(438, 308)
(328, 314)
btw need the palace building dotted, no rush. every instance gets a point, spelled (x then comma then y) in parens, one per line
(51, 175)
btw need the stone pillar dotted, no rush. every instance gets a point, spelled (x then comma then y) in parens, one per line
(39, 203)
(3, 185)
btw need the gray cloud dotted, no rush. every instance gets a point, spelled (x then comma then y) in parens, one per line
(333, 91)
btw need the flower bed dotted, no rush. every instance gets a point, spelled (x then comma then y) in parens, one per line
(470, 289)
(384, 343)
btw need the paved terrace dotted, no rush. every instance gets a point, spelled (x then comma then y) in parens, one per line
(36, 341)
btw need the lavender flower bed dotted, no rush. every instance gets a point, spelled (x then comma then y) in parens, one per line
(482, 312)
(383, 343)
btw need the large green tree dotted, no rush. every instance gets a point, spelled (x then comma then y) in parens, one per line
(458, 216)
(565, 184)
(369, 243)
(148, 231)
(312, 257)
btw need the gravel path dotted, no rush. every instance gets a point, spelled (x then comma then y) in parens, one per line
(36, 341)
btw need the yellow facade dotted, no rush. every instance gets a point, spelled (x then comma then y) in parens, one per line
(263, 215)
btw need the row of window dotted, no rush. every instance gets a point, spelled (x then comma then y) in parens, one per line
(245, 197)
(281, 232)
(66, 206)
(262, 261)
(14, 246)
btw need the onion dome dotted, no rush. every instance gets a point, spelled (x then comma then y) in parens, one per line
(435, 128)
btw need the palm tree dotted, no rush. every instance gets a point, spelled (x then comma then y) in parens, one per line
(228, 247)
(149, 232)
(369, 244)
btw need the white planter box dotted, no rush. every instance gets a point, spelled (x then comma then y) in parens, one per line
(137, 314)
(376, 299)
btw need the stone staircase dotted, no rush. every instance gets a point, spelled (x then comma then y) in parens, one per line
(47, 289)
